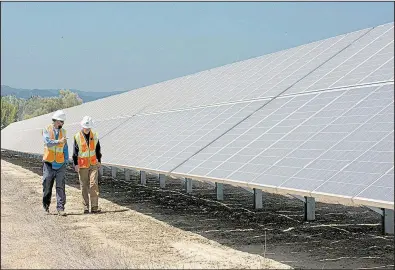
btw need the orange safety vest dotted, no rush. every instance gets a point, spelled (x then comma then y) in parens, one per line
(86, 155)
(54, 153)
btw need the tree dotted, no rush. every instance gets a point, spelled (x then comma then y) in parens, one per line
(16, 109)
(20, 103)
(36, 106)
(8, 112)
(69, 99)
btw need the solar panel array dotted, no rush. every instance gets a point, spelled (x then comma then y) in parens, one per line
(315, 120)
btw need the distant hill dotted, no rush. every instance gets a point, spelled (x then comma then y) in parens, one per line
(27, 93)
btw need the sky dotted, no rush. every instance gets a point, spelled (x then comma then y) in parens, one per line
(104, 46)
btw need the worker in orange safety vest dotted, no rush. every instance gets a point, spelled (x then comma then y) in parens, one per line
(87, 161)
(55, 160)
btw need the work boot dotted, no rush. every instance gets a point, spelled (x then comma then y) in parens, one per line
(61, 213)
(46, 209)
(86, 211)
(95, 210)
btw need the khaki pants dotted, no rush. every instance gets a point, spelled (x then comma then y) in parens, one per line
(89, 185)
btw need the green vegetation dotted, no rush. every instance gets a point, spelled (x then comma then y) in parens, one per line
(17, 109)
(8, 113)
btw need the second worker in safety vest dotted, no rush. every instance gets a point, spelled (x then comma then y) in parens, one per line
(87, 159)
(55, 160)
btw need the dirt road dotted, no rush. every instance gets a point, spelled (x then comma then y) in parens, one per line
(117, 238)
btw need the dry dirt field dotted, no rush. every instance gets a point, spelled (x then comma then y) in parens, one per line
(147, 227)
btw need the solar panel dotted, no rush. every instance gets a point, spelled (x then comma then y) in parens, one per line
(315, 120)
(380, 190)
(28, 141)
(32, 123)
(301, 66)
(162, 141)
(270, 75)
(334, 142)
(369, 60)
(31, 140)
(10, 137)
(102, 127)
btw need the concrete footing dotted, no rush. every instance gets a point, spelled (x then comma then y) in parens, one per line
(258, 202)
(143, 178)
(309, 209)
(162, 180)
(219, 189)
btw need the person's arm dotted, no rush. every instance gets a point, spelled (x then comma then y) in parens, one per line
(75, 153)
(98, 152)
(48, 141)
(66, 153)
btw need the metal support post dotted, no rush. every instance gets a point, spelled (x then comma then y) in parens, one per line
(219, 188)
(114, 172)
(258, 202)
(162, 180)
(143, 178)
(388, 221)
(188, 185)
(127, 174)
(309, 209)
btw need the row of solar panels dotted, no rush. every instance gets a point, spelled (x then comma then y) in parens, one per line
(316, 120)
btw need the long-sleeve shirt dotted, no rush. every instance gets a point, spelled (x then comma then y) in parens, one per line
(50, 143)
(76, 149)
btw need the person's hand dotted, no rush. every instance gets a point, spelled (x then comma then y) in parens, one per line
(76, 168)
(98, 165)
(63, 140)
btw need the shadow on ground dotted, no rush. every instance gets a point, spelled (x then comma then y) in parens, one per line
(341, 237)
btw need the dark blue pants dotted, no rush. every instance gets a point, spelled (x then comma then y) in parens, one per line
(49, 176)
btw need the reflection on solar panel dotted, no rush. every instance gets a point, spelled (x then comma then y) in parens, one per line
(164, 140)
(332, 142)
(316, 120)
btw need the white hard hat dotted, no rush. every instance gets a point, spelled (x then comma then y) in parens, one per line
(87, 122)
(59, 115)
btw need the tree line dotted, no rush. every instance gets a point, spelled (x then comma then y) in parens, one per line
(16, 109)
